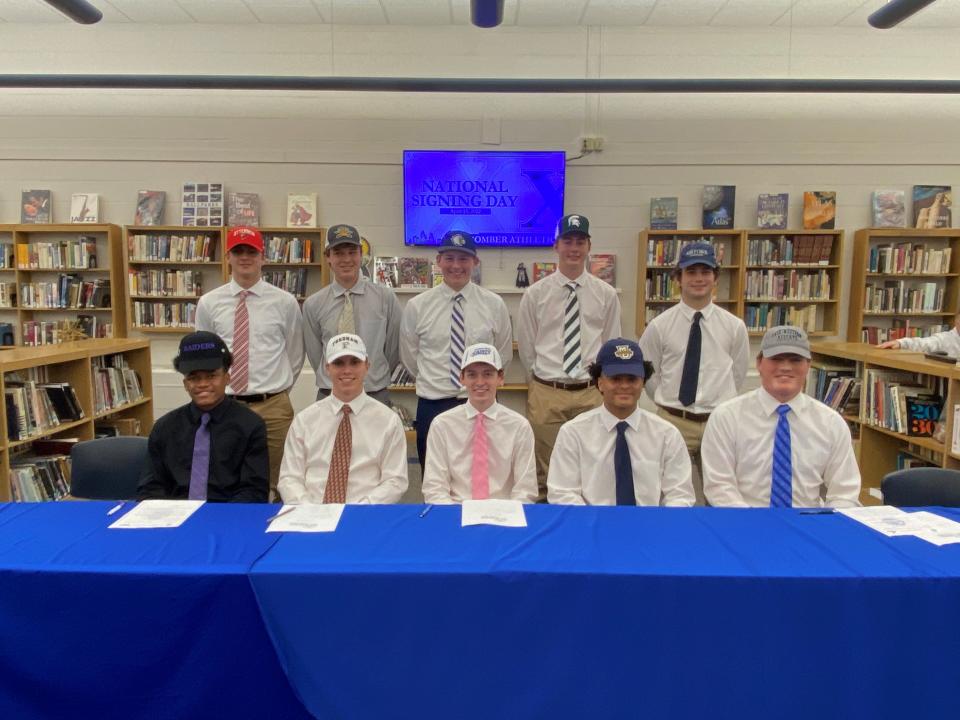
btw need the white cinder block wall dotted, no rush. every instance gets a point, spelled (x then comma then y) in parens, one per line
(347, 146)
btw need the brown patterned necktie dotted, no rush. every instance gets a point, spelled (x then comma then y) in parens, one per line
(336, 489)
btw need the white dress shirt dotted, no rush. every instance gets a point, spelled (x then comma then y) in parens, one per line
(948, 342)
(511, 468)
(724, 356)
(378, 458)
(737, 453)
(540, 323)
(276, 332)
(376, 317)
(425, 334)
(581, 466)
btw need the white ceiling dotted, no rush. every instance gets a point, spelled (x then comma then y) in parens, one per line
(675, 13)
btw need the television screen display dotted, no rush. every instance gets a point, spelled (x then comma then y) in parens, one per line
(504, 199)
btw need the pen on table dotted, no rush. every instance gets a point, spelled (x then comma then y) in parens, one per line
(289, 508)
(817, 511)
(114, 509)
(427, 509)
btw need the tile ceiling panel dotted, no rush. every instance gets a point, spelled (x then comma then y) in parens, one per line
(618, 12)
(819, 13)
(684, 12)
(750, 13)
(550, 12)
(218, 12)
(352, 12)
(417, 12)
(159, 12)
(285, 12)
(29, 11)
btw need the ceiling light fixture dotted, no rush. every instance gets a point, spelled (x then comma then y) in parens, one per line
(895, 12)
(486, 13)
(77, 10)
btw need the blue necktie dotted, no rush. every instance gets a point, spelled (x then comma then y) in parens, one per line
(623, 468)
(691, 363)
(781, 489)
(200, 466)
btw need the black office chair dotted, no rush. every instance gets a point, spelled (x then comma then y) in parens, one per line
(107, 468)
(921, 487)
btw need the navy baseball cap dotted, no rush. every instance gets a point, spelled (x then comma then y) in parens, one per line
(458, 240)
(573, 225)
(620, 356)
(342, 235)
(698, 253)
(201, 351)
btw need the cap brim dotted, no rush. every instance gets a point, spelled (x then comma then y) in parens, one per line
(698, 261)
(186, 367)
(344, 241)
(465, 365)
(344, 353)
(568, 233)
(231, 246)
(786, 350)
(614, 369)
(451, 248)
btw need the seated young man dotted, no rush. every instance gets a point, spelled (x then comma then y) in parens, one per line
(776, 446)
(347, 447)
(213, 448)
(480, 449)
(619, 454)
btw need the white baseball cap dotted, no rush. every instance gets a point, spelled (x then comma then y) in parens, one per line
(482, 353)
(345, 344)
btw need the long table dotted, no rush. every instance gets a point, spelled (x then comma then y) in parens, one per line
(588, 612)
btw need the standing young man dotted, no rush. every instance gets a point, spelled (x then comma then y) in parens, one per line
(698, 350)
(353, 304)
(776, 446)
(619, 454)
(263, 328)
(480, 449)
(346, 448)
(440, 323)
(564, 319)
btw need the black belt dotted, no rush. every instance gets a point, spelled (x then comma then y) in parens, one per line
(254, 398)
(686, 414)
(566, 386)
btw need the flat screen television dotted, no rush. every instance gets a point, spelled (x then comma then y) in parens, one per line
(503, 198)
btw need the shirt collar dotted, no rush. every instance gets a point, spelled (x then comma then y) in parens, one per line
(562, 280)
(356, 405)
(256, 289)
(216, 414)
(490, 413)
(688, 311)
(769, 404)
(449, 293)
(610, 420)
(339, 290)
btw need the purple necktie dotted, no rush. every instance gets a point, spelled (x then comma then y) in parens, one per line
(200, 467)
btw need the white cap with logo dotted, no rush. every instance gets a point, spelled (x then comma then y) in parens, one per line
(345, 344)
(482, 353)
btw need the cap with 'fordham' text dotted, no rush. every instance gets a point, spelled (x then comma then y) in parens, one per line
(345, 344)
(244, 236)
(481, 353)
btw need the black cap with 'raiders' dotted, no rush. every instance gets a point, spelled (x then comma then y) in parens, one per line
(202, 351)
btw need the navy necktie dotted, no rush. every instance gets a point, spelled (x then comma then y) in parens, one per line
(691, 363)
(781, 488)
(623, 468)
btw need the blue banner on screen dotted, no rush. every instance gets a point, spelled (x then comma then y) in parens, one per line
(504, 199)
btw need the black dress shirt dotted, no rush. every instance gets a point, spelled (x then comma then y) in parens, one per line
(239, 469)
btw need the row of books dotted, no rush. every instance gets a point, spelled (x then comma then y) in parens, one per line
(164, 314)
(875, 335)
(908, 258)
(293, 281)
(159, 283)
(171, 248)
(795, 250)
(763, 317)
(905, 461)
(401, 376)
(8, 259)
(69, 291)
(115, 383)
(34, 407)
(54, 332)
(80, 254)
(666, 251)
(905, 403)
(405, 419)
(836, 386)
(8, 294)
(660, 286)
(788, 285)
(280, 249)
(39, 479)
(898, 296)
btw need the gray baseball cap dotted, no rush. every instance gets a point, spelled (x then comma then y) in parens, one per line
(785, 340)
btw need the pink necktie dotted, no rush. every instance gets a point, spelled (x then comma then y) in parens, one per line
(479, 479)
(240, 370)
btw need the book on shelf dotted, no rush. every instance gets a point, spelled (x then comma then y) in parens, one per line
(899, 329)
(8, 294)
(415, 272)
(888, 391)
(819, 209)
(903, 296)
(907, 257)
(8, 257)
(661, 286)
(542, 269)
(286, 249)
(762, 316)
(719, 202)
(93, 327)
(202, 204)
(386, 271)
(170, 248)
(923, 414)
(663, 213)
(161, 283)
(788, 284)
(932, 206)
(115, 383)
(302, 210)
(85, 208)
(39, 406)
(116, 426)
(666, 251)
(294, 281)
(772, 211)
(604, 266)
(36, 333)
(905, 461)
(40, 479)
(150, 205)
(832, 385)
(889, 209)
(177, 314)
(405, 419)
(401, 377)
(243, 209)
(68, 292)
(79, 254)
(36, 207)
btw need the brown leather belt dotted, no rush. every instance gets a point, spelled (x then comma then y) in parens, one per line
(259, 397)
(686, 415)
(566, 386)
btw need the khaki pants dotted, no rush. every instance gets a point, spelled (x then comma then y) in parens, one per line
(277, 414)
(547, 409)
(692, 435)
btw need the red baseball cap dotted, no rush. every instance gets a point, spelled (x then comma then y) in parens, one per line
(244, 236)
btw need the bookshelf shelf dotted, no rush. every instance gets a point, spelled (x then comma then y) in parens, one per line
(872, 313)
(120, 408)
(508, 387)
(11, 444)
(911, 275)
(173, 330)
(65, 309)
(177, 263)
(923, 442)
(165, 297)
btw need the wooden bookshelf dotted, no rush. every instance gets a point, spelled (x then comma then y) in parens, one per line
(315, 266)
(108, 266)
(878, 445)
(867, 239)
(729, 293)
(817, 312)
(73, 362)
